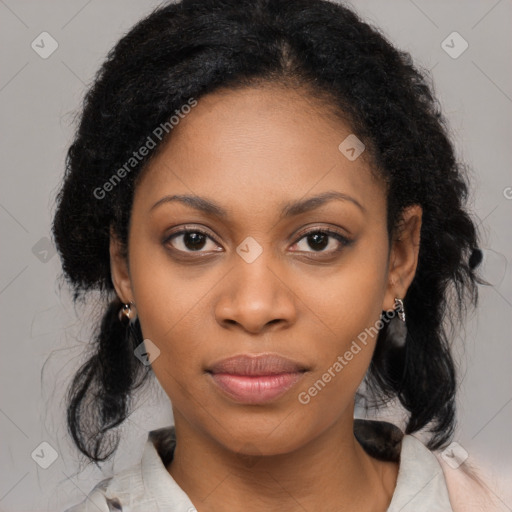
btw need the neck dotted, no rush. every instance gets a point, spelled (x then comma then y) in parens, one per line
(330, 472)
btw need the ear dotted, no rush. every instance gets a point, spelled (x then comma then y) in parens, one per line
(403, 258)
(119, 269)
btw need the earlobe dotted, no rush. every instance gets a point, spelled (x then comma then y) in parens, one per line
(404, 253)
(119, 270)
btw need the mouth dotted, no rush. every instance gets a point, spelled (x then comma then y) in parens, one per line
(256, 379)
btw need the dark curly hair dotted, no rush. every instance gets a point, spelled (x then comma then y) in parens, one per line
(189, 49)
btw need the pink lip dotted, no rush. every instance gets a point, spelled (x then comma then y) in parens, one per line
(256, 379)
(255, 390)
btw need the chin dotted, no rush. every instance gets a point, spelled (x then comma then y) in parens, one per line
(264, 437)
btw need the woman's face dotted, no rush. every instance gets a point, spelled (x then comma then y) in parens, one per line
(248, 280)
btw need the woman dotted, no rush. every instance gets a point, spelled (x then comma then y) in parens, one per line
(266, 196)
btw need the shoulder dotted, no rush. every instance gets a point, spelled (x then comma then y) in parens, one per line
(468, 490)
(112, 493)
(427, 480)
(124, 490)
(144, 486)
(437, 481)
(95, 499)
(421, 485)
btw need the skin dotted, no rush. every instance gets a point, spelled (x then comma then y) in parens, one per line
(251, 151)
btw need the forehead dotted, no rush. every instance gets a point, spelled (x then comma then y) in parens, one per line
(257, 148)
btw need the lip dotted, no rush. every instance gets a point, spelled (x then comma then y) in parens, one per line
(256, 379)
(256, 365)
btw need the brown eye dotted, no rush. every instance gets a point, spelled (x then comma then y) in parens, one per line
(190, 240)
(318, 240)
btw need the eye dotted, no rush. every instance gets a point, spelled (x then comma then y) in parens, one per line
(320, 239)
(191, 240)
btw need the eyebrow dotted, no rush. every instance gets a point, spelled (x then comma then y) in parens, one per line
(289, 209)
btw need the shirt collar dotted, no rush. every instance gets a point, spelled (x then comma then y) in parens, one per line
(420, 484)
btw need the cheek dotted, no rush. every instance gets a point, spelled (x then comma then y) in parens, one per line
(348, 299)
(169, 303)
(347, 312)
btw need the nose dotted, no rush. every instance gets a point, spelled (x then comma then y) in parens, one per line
(256, 297)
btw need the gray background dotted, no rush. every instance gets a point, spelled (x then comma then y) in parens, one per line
(43, 335)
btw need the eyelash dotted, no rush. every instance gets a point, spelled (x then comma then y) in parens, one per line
(344, 241)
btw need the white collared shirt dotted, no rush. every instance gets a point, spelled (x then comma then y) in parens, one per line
(149, 487)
